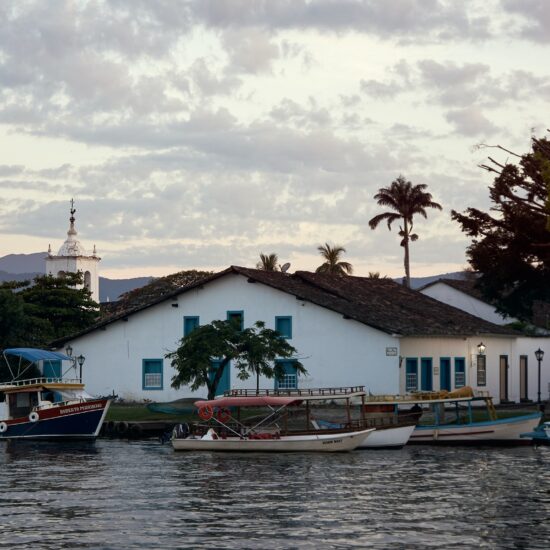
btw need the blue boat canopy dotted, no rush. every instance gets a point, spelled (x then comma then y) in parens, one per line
(33, 354)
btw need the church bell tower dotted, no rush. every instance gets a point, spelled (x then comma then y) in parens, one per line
(72, 257)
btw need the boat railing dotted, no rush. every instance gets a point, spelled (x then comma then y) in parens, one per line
(292, 392)
(37, 381)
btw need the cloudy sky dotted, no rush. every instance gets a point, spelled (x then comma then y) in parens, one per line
(197, 134)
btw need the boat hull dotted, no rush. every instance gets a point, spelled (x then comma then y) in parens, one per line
(80, 420)
(299, 443)
(504, 431)
(388, 438)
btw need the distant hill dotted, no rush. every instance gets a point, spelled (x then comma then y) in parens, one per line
(23, 263)
(22, 267)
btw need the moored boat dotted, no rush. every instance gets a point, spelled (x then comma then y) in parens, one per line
(454, 418)
(228, 431)
(47, 407)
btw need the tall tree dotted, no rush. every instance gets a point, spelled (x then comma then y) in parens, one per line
(253, 351)
(405, 200)
(511, 245)
(268, 262)
(333, 265)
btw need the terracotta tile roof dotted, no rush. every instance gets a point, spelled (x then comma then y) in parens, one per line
(380, 303)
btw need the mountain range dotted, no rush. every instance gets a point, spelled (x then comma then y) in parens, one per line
(21, 267)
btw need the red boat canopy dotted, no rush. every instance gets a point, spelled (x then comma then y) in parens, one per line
(253, 401)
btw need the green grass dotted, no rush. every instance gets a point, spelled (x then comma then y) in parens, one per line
(140, 413)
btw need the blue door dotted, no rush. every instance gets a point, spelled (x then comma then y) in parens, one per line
(411, 374)
(445, 373)
(224, 383)
(426, 372)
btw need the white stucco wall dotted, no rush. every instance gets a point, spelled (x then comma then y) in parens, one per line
(335, 351)
(453, 297)
(511, 347)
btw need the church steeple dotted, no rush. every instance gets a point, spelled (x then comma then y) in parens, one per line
(72, 257)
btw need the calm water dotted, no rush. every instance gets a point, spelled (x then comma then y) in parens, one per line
(143, 495)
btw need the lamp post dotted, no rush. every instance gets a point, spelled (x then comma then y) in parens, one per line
(539, 354)
(80, 360)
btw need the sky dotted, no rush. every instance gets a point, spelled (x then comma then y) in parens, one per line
(199, 134)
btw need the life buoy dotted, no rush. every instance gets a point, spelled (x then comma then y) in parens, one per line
(3, 427)
(224, 415)
(33, 417)
(206, 412)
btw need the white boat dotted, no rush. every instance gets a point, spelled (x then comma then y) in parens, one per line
(391, 437)
(226, 431)
(45, 408)
(449, 418)
(283, 444)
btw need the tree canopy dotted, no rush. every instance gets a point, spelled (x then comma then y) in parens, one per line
(405, 200)
(333, 265)
(33, 314)
(268, 262)
(253, 350)
(511, 244)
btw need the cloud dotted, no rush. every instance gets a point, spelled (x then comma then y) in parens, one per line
(470, 121)
(535, 15)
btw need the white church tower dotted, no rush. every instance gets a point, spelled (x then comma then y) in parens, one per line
(72, 257)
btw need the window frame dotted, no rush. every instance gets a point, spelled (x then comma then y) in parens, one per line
(144, 362)
(481, 378)
(187, 318)
(279, 318)
(233, 312)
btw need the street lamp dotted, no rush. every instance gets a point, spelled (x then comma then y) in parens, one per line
(69, 350)
(481, 348)
(539, 354)
(80, 360)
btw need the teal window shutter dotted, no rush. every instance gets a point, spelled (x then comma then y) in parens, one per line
(152, 374)
(460, 372)
(283, 325)
(190, 324)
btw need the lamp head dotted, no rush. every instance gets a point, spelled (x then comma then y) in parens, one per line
(481, 348)
(539, 354)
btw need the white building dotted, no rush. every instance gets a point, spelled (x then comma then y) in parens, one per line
(511, 366)
(347, 331)
(72, 257)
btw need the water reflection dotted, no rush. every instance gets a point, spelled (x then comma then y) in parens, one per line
(142, 495)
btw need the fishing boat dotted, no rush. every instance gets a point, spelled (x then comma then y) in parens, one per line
(229, 427)
(47, 407)
(454, 418)
(540, 435)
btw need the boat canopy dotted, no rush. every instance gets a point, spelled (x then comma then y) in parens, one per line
(34, 354)
(252, 401)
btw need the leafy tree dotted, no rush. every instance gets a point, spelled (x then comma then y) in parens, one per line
(268, 262)
(511, 244)
(253, 350)
(13, 322)
(405, 200)
(333, 265)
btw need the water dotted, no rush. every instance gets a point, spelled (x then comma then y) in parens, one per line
(117, 494)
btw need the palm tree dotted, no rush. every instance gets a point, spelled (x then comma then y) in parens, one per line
(268, 263)
(333, 265)
(406, 200)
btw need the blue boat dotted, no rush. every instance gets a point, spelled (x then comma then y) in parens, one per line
(540, 435)
(50, 406)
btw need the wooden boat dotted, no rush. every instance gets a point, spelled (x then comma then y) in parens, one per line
(448, 418)
(389, 436)
(47, 407)
(227, 431)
